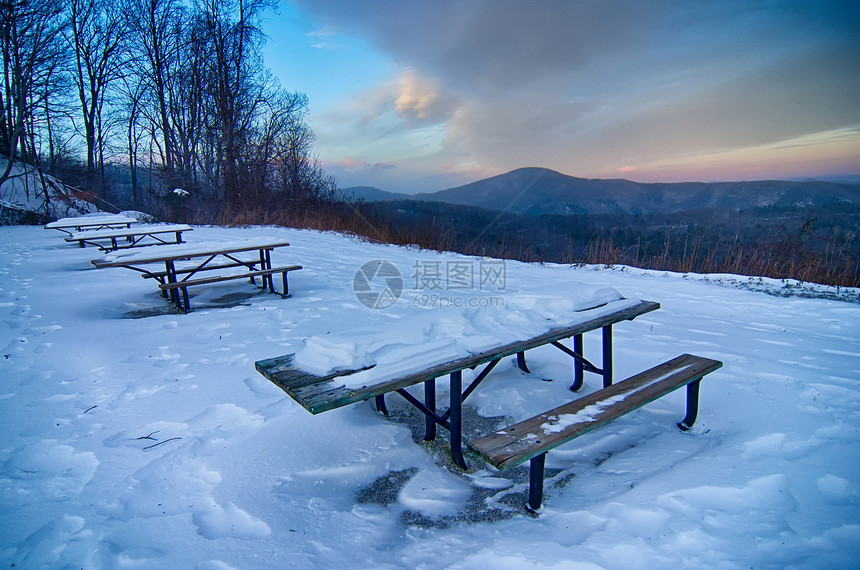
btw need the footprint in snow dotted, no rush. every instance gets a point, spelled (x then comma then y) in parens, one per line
(46, 466)
(229, 521)
(62, 543)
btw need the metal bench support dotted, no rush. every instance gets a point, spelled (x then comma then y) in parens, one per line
(530, 440)
(692, 405)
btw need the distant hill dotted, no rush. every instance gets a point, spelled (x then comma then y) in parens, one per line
(372, 194)
(538, 191)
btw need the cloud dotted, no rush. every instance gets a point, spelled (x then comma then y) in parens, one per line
(323, 39)
(588, 88)
(350, 164)
(418, 97)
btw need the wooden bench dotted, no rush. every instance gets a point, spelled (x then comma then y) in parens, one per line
(531, 439)
(266, 274)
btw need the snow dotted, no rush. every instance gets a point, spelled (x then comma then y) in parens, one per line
(191, 248)
(135, 436)
(420, 341)
(24, 191)
(559, 423)
(89, 219)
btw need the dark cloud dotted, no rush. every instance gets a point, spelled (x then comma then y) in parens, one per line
(492, 43)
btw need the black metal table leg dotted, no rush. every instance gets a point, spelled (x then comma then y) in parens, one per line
(380, 405)
(268, 279)
(607, 356)
(521, 362)
(578, 373)
(170, 269)
(536, 472)
(456, 419)
(430, 402)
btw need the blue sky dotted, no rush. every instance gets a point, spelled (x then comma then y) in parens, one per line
(414, 96)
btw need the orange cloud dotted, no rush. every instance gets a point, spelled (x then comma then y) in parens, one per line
(417, 97)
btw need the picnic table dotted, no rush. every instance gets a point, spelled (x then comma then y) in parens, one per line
(182, 262)
(526, 441)
(326, 392)
(81, 223)
(138, 236)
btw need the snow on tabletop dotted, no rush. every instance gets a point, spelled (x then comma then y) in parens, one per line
(189, 248)
(90, 219)
(136, 230)
(429, 338)
(134, 441)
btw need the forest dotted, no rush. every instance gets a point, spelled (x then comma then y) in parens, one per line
(163, 106)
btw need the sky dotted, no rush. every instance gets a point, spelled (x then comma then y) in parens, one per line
(426, 95)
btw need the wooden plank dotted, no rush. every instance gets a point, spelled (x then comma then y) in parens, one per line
(322, 394)
(218, 278)
(520, 442)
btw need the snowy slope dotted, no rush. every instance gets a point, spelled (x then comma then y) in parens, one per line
(137, 437)
(23, 192)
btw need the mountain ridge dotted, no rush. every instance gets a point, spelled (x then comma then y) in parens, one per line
(541, 191)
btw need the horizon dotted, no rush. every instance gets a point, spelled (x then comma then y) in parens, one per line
(848, 179)
(416, 97)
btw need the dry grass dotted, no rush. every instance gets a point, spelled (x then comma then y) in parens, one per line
(804, 256)
(810, 258)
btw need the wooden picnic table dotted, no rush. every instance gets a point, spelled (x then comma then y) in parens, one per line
(77, 224)
(322, 393)
(183, 261)
(138, 236)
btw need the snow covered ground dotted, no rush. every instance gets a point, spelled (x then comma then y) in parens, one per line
(23, 193)
(133, 436)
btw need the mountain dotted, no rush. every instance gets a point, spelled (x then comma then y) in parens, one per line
(537, 191)
(372, 194)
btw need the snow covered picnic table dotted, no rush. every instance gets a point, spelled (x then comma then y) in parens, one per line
(332, 371)
(77, 224)
(137, 236)
(199, 257)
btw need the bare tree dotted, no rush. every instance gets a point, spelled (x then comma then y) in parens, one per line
(132, 96)
(238, 86)
(156, 41)
(95, 32)
(32, 52)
